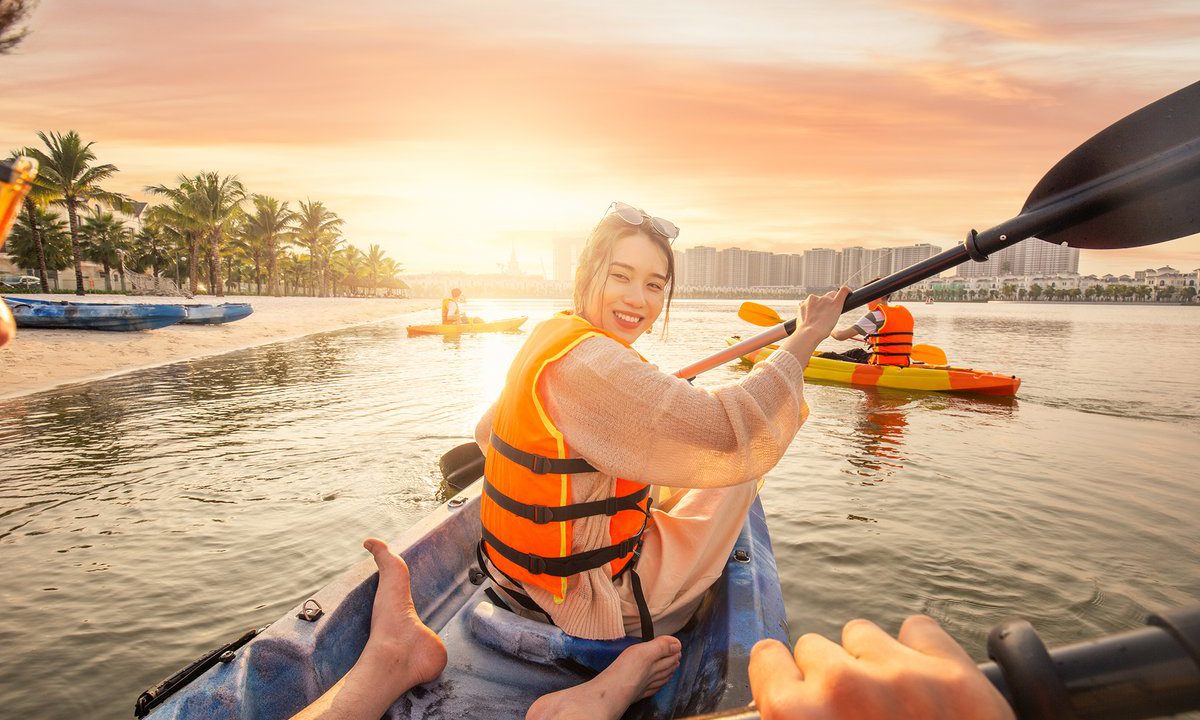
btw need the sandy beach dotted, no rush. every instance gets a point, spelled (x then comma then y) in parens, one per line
(42, 359)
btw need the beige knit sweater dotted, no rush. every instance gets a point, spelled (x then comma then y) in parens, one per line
(629, 419)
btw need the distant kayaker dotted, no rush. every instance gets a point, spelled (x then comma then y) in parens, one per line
(454, 308)
(888, 330)
(585, 426)
(923, 674)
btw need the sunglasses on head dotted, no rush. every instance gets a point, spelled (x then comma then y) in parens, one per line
(16, 177)
(637, 216)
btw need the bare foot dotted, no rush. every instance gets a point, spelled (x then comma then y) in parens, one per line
(398, 637)
(400, 653)
(636, 673)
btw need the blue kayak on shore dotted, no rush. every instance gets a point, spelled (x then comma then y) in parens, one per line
(216, 314)
(499, 662)
(65, 315)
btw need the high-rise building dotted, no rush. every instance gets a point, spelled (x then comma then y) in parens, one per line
(732, 268)
(1038, 257)
(853, 262)
(566, 255)
(779, 270)
(795, 270)
(1026, 258)
(877, 262)
(909, 255)
(680, 268)
(758, 268)
(701, 266)
(821, 268)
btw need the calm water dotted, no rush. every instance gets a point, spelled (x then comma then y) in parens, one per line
(147, 518)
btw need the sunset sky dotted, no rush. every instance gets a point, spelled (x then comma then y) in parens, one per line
(453, 132)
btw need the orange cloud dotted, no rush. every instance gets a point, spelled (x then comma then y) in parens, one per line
(414, 127)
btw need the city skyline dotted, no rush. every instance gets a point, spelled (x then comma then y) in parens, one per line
(773, 127)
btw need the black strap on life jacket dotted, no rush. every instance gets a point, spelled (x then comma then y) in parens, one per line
(875, 346)
(540, 464)
(562, 566)
(543, 514)
(639, 597)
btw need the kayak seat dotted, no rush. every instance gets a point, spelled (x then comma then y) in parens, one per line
(538, 642)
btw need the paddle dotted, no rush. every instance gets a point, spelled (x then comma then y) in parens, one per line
(1134, 183)
(762, 315)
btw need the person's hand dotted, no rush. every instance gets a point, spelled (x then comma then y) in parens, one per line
(818, 314)
(924, 674)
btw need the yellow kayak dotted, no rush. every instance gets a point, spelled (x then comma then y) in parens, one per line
(940, 378)
(472, 327)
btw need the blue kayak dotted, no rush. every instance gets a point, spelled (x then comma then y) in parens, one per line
(64, 315)
(216, 314)
(499, 663)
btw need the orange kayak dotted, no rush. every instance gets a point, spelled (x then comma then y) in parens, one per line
(459, 328)
(938, 378)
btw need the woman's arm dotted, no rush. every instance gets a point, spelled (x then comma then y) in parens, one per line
(631, 420)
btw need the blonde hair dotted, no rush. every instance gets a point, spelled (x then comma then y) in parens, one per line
(597, 254)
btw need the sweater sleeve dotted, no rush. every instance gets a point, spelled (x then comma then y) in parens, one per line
(630, 419)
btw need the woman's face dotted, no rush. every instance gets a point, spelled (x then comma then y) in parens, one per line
(628, 296)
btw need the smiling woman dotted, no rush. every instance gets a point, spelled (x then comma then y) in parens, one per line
(584, 426)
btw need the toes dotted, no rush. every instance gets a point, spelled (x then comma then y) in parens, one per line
(667, 645)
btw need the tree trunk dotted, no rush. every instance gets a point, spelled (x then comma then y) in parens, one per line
(272, 270)
(312, 270)
(107, 277)
(214, 255)
(43, 275)
(76, 252)
(193, 261)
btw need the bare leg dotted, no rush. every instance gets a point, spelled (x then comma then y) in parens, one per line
(400, 653)
(636, 673)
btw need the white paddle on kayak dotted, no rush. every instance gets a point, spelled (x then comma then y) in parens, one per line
(758, 314)
(1134, 183)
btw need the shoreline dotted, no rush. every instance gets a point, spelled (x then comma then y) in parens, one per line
(42, 360)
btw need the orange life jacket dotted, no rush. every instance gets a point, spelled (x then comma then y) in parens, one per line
(892, 342)
(446, 310)
(526, 509)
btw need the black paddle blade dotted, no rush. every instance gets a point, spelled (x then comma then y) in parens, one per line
(1162, 142)
(462, 466)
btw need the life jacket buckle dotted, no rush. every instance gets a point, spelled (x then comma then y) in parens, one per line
(610, 506)
(537, 565)
(541, 465)
(542, 514)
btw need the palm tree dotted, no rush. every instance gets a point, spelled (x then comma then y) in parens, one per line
(39, 196)
(208, 206)
(67, 169)
(315, 227)
(391, 272)
(178, 233)
(294, 268)
(40, 239)
(268, 228)
(150, 249)
(374, 259)
(345, 267)
(104, 241)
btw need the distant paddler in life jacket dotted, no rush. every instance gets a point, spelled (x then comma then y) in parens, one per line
(888, 331)
(585, 426)
(454, 309)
